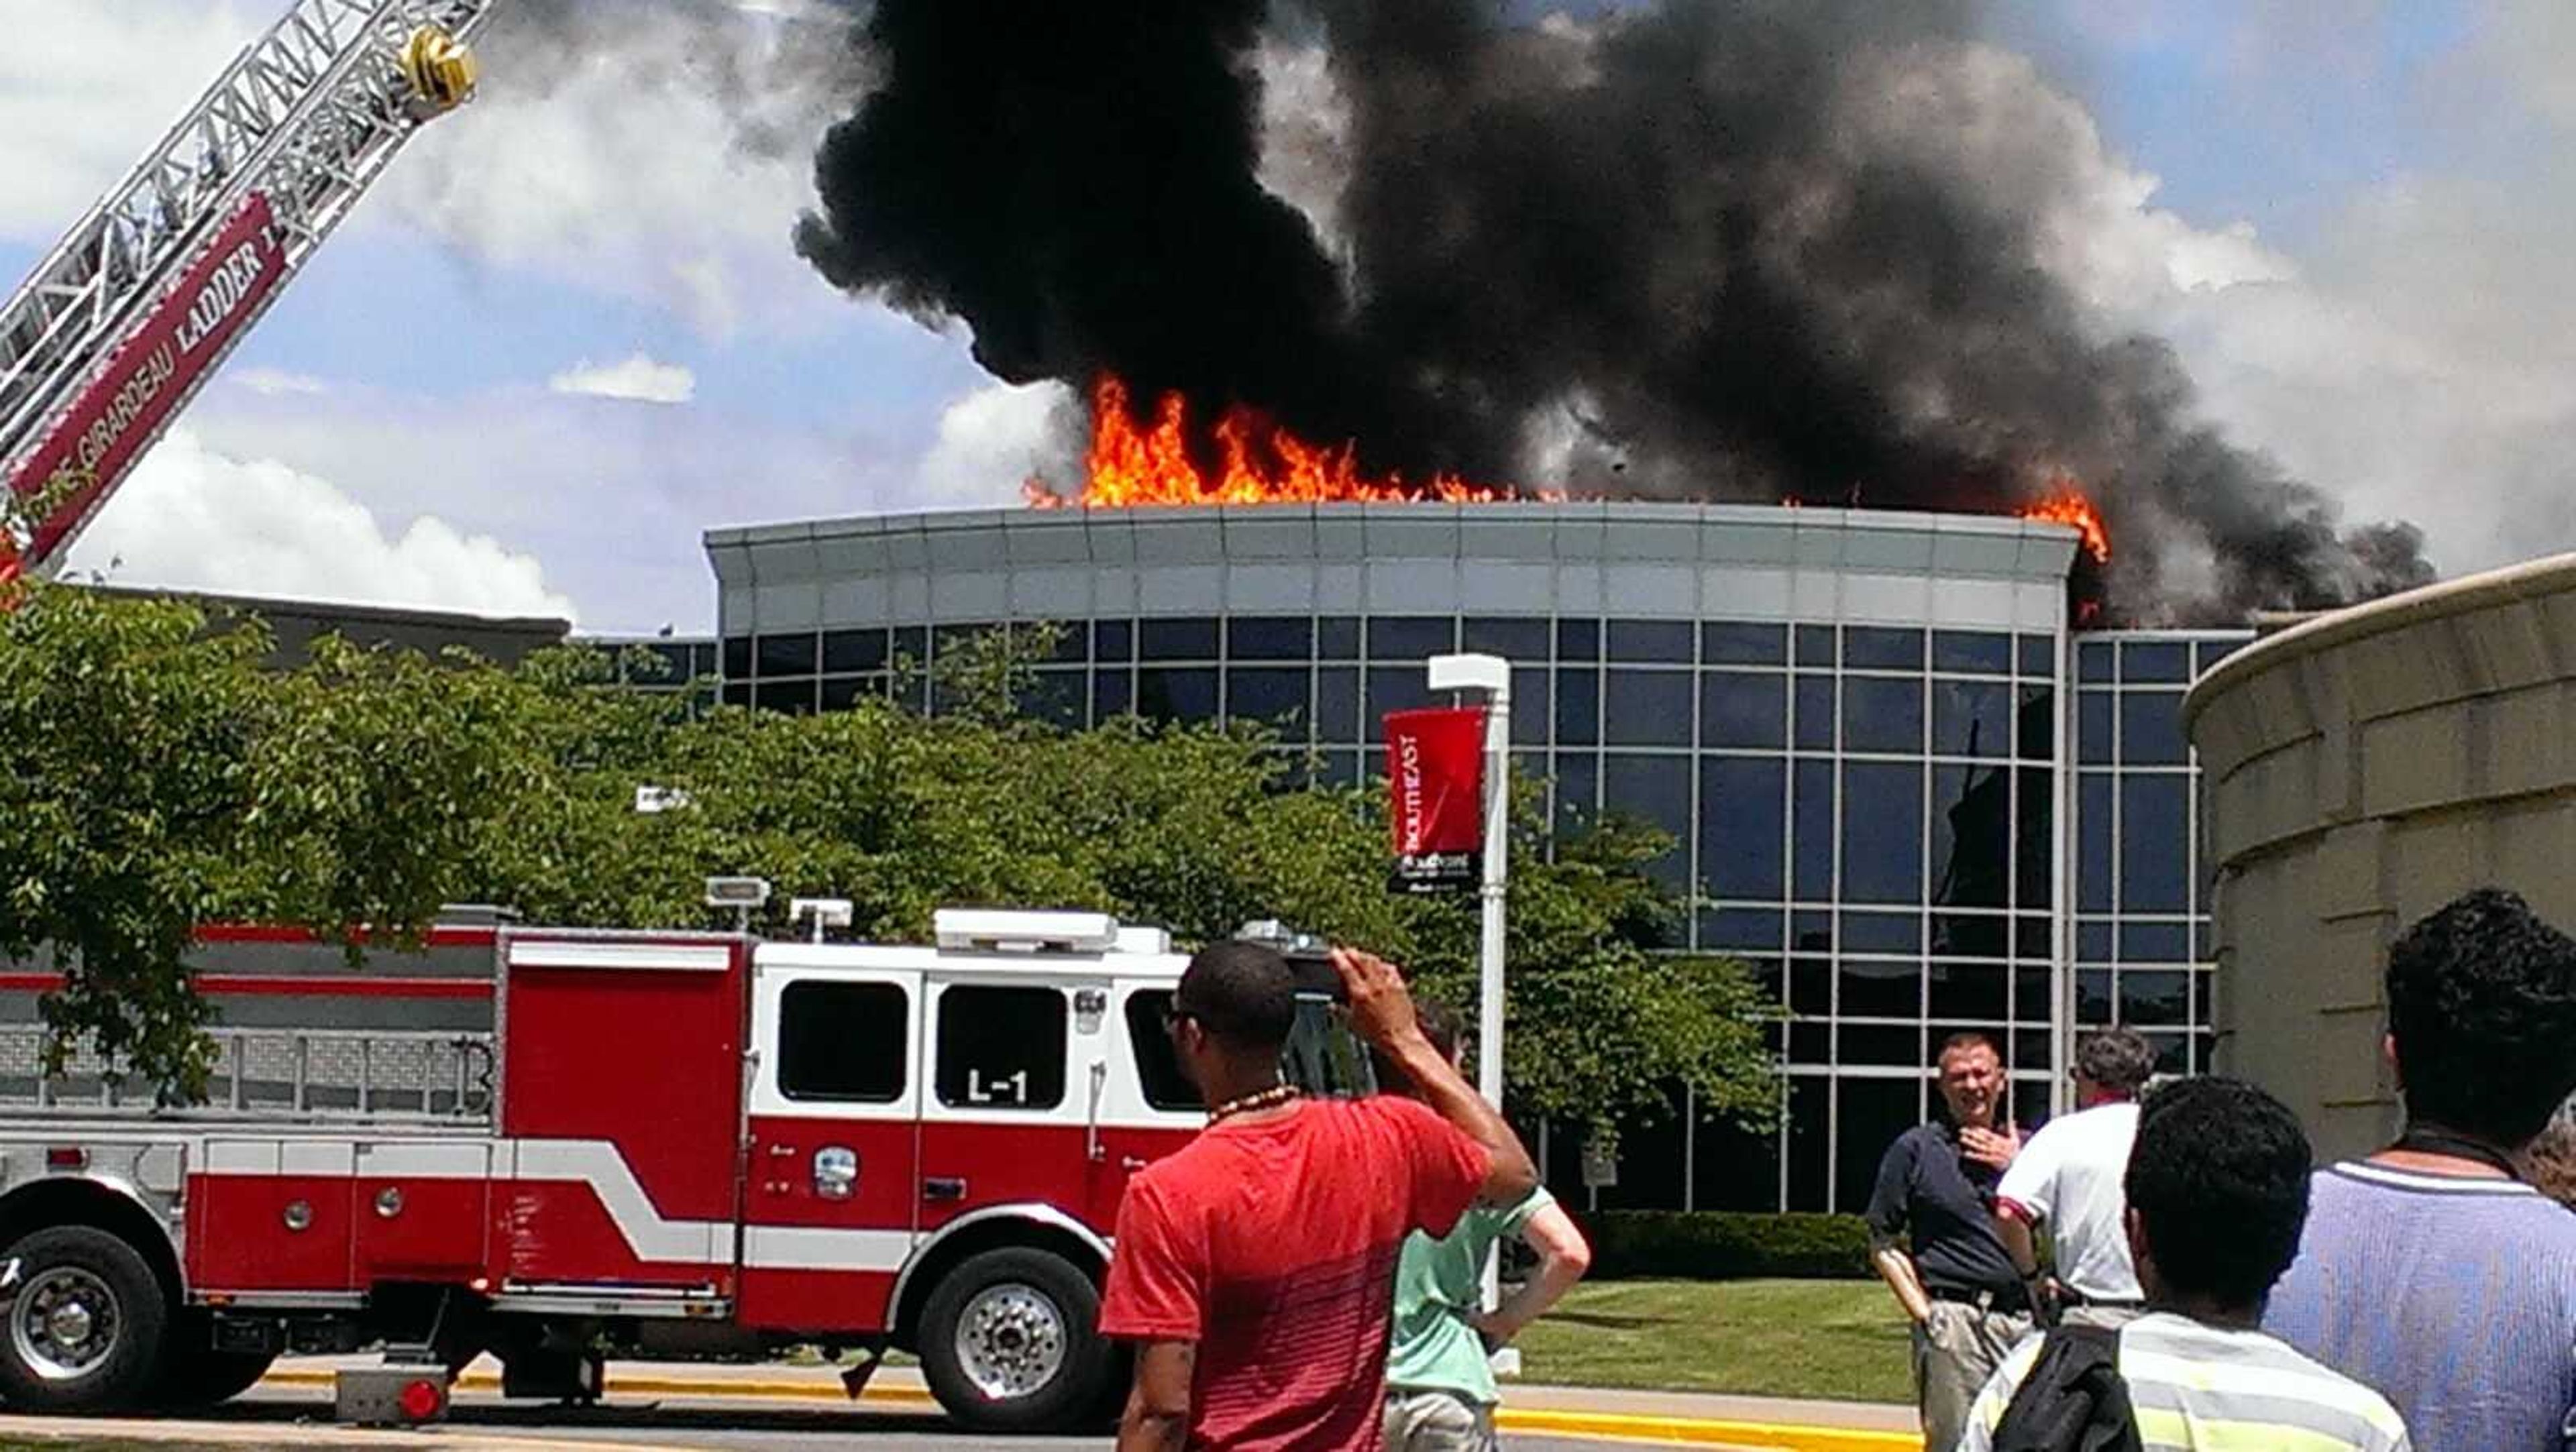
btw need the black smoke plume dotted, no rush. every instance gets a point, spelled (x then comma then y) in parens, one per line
(1740, 249)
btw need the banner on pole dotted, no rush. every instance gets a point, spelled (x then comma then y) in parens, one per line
(1435, 770)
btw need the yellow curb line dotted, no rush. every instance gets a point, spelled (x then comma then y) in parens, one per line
(1623, 1426)
(227, 1434)
(1705, 1431)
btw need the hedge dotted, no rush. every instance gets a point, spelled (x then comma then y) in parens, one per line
(1726, 1245)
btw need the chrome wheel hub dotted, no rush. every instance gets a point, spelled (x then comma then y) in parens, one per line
(1010, 1340)
(66, 1323)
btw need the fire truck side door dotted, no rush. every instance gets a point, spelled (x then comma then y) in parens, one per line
(1151, 1108)
(1005, 1109)
(829, 1199)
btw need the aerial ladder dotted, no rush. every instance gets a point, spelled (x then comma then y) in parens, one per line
(132, 312)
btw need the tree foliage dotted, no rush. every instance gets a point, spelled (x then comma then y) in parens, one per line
(159, 777)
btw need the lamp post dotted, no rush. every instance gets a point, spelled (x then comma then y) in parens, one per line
(1492, 675)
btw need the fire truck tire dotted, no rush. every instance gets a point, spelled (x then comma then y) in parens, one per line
(85, 1329)
(1009, 1343)
(205, 1377)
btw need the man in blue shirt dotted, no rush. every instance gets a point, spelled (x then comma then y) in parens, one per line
(2429, 1270)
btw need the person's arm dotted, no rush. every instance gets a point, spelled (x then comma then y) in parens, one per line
(1158, 1405)
(1382, 1014)
(2020, 1246)
(1563, 1257)
(2025, 1197)
(1888, 1199)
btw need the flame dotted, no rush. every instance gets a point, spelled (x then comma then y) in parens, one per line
(2068, 506)
(1258, 462)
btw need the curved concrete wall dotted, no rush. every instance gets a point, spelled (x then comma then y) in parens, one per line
(2361, 769)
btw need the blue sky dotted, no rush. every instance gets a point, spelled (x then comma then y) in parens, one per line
(420, 418)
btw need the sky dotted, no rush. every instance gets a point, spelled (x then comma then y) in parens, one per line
(566, 333)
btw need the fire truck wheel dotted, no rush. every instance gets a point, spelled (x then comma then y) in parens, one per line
(1008, 1343)
(85, 1325)
(204, 1377)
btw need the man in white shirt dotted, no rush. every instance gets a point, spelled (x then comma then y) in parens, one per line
(2068, 1176)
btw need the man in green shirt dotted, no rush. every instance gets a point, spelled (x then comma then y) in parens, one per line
(1440, 1392)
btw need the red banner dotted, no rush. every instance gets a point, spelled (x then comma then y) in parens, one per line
(1435, 772)
(94, 443)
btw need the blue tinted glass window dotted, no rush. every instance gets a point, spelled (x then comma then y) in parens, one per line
(2155, 997)
(1975, 991)
(1522, 640)
(840, 693)
(1882, 932)
(1578, 639)
(2095, 825)
(1654, 789)
(2094, 744)
(848, 651)
(2037, 715)
(1058, 698)
(2093, 941)
(1396, 688)
(1971, 836)
(1740, 930)
(1532, 713)
(1972, 718)
(2155, 662)
(961, 635)
(1816, 645)
(1743, 708)
(1578, 706)
(1815, 713)
(1337, 768)
(1410, 637)
(788, 655)
(1337, 705)
(1812, 931)
(737, 693)
(1578, 786)
(2154, 837)
(1880, 647)
(1971, 935)
(1881, 714)
(1269, 637)
(1880, 990)
(1047, 640)
(1732, 642)
(1977, 652)
(2155, 942)
(737, 658)
(1337, 637)
(1164, 694)
(2093, 1003)
(1740, 841)
(794, 698)
(1812, 842)
(2151, 729)
(2034, 837)
(1176, 640)
(2038, 655)
(1273, 695)
(1664, 641)
(1884, 1046)
(1647, 708)
(2211, 652)
(1111, 640)
(2094, 662)
(1882, 832)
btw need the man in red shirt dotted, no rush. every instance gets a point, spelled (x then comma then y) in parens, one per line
(1255, 1268)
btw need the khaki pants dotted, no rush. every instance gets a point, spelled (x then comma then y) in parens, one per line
(1437, 1421)
(1954, 1353)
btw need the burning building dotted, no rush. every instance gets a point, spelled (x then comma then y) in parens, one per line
(1908, 788)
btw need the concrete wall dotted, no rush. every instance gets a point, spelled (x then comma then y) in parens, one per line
(2360, 770)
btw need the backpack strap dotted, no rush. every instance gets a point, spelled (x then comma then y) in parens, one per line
(2074, 1399)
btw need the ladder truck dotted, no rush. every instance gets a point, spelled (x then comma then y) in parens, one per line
(130, 314)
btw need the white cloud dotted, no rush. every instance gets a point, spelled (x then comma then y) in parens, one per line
(994, 439)
(275, 381)
(637, 379)
(192, 518)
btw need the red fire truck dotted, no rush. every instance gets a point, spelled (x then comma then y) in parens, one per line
(551, 1144)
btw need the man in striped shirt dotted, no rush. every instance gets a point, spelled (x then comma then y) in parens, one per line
(2431, 1270)
(2217, 1189)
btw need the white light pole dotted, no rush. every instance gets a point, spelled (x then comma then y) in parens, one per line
(1492, 675)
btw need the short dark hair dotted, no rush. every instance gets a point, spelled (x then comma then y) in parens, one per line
(1242, 993)
(2482, 1004)
(1968, 1039)
(2219, 1178)
(2118, 1059)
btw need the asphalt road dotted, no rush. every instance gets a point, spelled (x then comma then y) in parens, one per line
(709, 1424)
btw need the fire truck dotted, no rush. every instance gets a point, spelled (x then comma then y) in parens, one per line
(552, 1144)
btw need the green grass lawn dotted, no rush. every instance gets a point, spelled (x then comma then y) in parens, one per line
(1843, 1340)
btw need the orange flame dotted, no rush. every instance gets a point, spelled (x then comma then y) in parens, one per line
(1259, 463)
(2066, 505)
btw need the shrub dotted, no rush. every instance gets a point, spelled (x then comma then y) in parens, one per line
(1727, 1245)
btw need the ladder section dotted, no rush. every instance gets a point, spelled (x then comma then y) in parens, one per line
(300, 1075)
(288, 138)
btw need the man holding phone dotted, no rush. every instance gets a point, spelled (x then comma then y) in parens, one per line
(1254, 1268)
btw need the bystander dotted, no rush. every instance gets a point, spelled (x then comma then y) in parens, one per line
(2067, 1176)
(2430, 1270)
